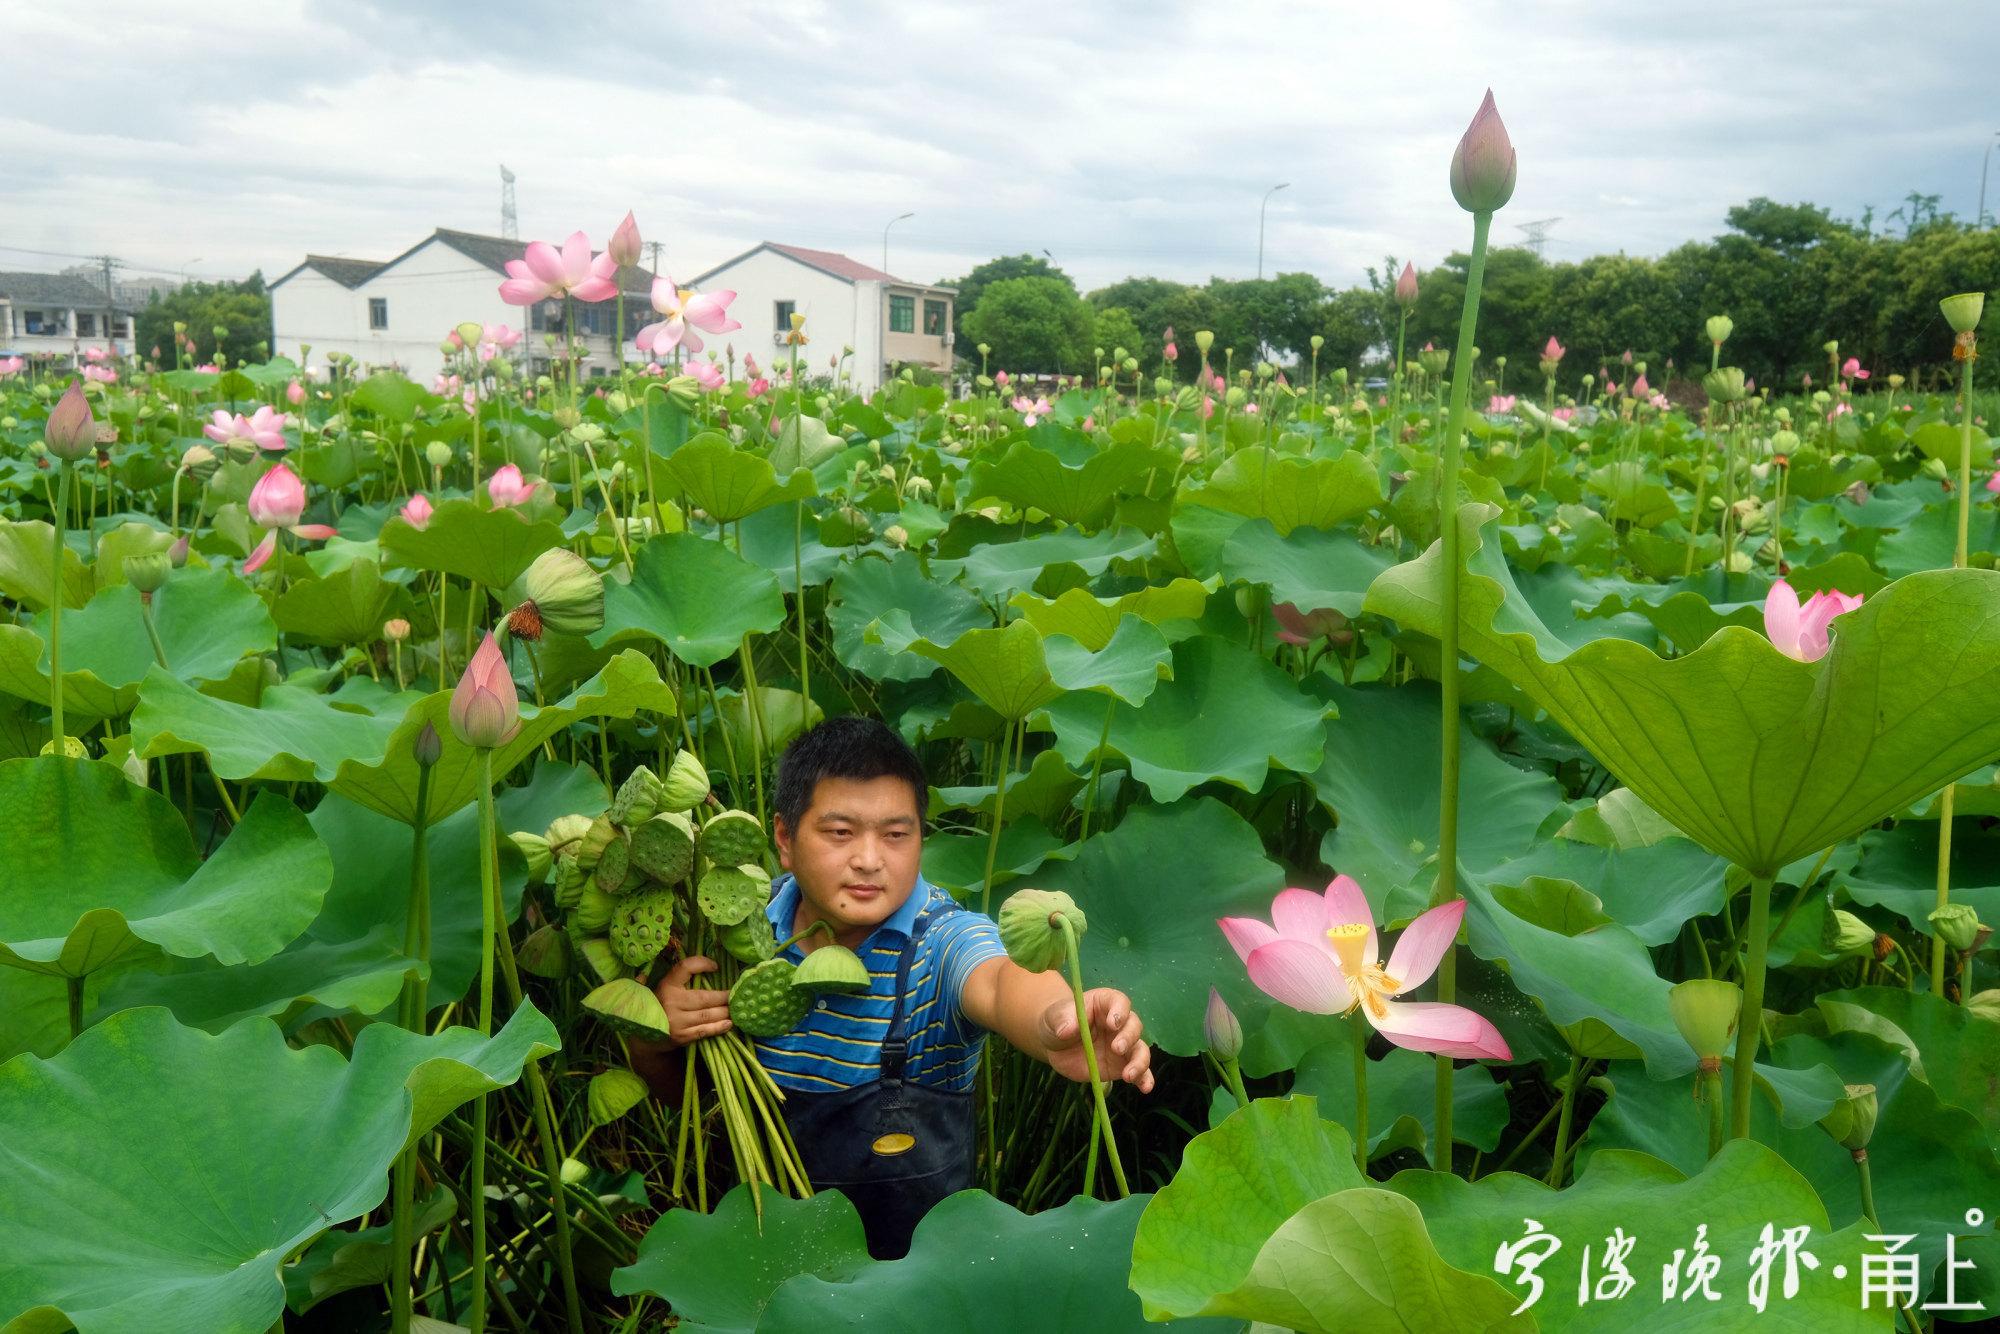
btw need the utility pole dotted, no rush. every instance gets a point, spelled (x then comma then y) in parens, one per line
(1260, 225)
(1985, 162)
(885, 237)
(656, 247)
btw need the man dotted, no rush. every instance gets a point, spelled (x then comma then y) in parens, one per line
(878, 1087)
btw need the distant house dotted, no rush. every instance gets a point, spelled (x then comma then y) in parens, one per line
(396, 313)
(888, 321)
(57, 316)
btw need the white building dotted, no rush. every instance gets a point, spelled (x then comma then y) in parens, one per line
(57, 316)
(889, 322)
(396, 313)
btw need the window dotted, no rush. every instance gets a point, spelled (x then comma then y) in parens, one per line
(783, 315)
(902, 314)
(40, 322)
(378, 312)
(934, 318)
(86, 324)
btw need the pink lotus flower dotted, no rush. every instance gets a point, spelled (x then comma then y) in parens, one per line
(1993, 483)
(750, 364)
(1031, 409)
(506, 488)
(1851, 369)
(1500, 403)
(12, 365)
(707, 374)
(95, 355)
(1303, 627)
(1660, 402)
(295, 393)
(545, 272)
(485, 706)
(1840, 409)
(262, 429)
(1640, 388)
(276, 503)
(686, 311)
(1554, 350)
(101, 374)
(416, 511)
(1207, 406)
(759, 387)
(206, 367)
(1319, 954)
(1406, 289)
(1000, 378)
(1801, 632)
(623, 247)
(1563, 414)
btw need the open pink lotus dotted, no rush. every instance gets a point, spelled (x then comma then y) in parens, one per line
(685, 311)
(506, 488)
(1318, 953)
(544, 271)
(277, 502)
(1031, 409)
(1801, 631)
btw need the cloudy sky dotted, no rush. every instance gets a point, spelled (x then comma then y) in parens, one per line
(1123, 138)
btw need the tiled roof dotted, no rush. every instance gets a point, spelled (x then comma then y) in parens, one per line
(66, 290)
(348, 273)
(840, 266)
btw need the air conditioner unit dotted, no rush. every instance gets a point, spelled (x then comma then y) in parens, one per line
(779, 337)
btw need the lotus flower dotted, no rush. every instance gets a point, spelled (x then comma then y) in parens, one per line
(71, 432)
(101, 374)
(12, 366)
(1406, 287)
(1319, 954)
(1482, 167)
(1851, 369)
(506, 488)
(262, 429)
(1031, 409)
(295, 393)
(707, 373)
(416, 511)
(94, 355)
(1303, 627)
(1801, 632)
(686, 311)
(485, 705)
(276, 503)
(1993, 483)
(1554, 350)
(1500, 403)
(1563, 414)
(544, 272)
(623, 247)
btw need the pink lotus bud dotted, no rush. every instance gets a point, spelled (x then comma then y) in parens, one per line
(295, 393)
(507, 488)
(1406, 287)
(278, 499)
(485, 706)
(1554, 351)
(428, 748)
(1627, 358)
(623, 247)
(416, 511)
(1220, 1028)
(71, 431)
(1482, 168)
(1000, 378)
(1640, 388)
(177, 554)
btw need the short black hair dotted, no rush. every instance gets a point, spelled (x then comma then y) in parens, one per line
(849, 746)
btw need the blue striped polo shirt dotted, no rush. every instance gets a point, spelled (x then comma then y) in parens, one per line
(839, 1043)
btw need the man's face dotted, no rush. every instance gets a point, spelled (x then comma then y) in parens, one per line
(856, 851)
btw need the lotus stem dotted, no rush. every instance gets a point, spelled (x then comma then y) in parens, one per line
(1750, 1020)
(57, 521)
(1096, 763)
(416, 946)
(1564, 1121)
(1939, 973)
(489, 894)
(1711, 1094)
(74, 985)
(1361, 1095)
(799, 601)
(1102, 1113)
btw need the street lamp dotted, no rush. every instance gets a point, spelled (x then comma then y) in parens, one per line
(1984, 163)
(885, 237)
(1260, 225)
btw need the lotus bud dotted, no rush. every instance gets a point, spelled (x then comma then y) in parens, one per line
(1724, 384)
(428, 746)
(1482, 167)
(486, 705)
(534, 849)
(1843, 934)
(1852, 1120)
(1406, 286)
(146, 573)
(1957, 924)
(1204, 339)
(71, 431)
(177, 554)
(395, 629)
(561, 591)
(1705, 1010)
(1220, 1028)
(1030, 927)
(613, 1093)
(1719, 329)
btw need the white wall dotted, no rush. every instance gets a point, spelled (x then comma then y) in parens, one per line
(429, 292)
(833, 314)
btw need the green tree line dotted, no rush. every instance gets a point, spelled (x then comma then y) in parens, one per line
(241, 310)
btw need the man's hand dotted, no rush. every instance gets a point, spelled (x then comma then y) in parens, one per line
(693, 1013)
(1114, 1032)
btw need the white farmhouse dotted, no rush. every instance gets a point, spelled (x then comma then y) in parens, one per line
(889, 322)
(396, 313)
(55, 317)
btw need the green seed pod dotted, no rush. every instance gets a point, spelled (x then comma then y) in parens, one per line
(560, 592)
(566, 831)
(534, 849)
(1962, 312)
(630, 1008)
(615, 872)
(750, 940)
(1724, 384)
(569, 881)
(732, 894)
(1845, 935)
(1028, 927)
(1719, 329)
(597, 960)
(146, 573)
(642, 926)
(764, 1004)
(591, 845)
(1852, 1120)
(638, 798)
(613, 1093)
(663, 847)
(1705, 1010)
(835, 969)
(686, 785)
(733, 838)
(1957, 924)
(593, 909)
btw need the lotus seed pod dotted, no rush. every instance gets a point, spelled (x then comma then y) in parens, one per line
(764, 1004)
(534, 850)
(568, 881)
(1705, 1010)
(574, 1172)
(642, 926)
(438, 454)
(733, 838)
(545, 952)
(1029, 930)
(593, 909)
(1221, 1030)
(750, 940)
(1957, 924)
(1843, 934)
(147, 573)
(1985, 1004)
(566, 831)
(1784, 442)
(730, 894)
(1719, 329)
(1204, 339)
(1962, 311)
(1724, 384)
(615, 873)
(591, 846)
(630, 1008)
(663, 847)
(613, 1093)
(596, 957)
(638, 798)
(686, 784)
(72, 747)
(833, 969)
(1851, 1122)
(560, 592)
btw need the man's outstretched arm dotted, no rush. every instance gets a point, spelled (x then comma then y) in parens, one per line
(1037, 1013)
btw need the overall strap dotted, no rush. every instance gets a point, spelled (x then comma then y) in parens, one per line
(895, 1043)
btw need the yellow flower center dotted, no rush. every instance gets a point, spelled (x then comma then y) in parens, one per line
(1367, 983)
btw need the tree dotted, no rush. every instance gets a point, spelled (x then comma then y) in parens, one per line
(242, 309)
(1036, 324)
(1282, 312)
(972, 287)
(1112, 328)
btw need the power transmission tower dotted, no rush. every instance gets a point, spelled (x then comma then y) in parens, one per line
(1537, 233)
(510, 220)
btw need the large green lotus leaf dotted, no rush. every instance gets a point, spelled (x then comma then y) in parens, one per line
(956, 863)
(1898, 871)
(25, 551)
(1227, 714)
(868, 589)
(34, 1007)
(726, 483)
(1074, 484)
(1152, 889)
(1402, 1096)
(175, 1210)
(1044, 792)
(1002, 569)
(99, 868)
(1015, 670)
(351, 957)
(127, 539)
(695, 596)
(1744, 1189)
(803, 442)
(1929, 1162)
(1757, 757)
(1291, 492)
(491, 547)
(1091, 621)
(1953, 1049)
(1929, 540)
(745, 1257)
(770, 540)
(392, 396)
(1237, 1184)
(1310, 568)
(781, 715)
(347, 606)
(207, 621)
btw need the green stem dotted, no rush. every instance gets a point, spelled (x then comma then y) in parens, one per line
(1750, 1022)
(1711, 1089)
(799, 598)
(1096, 763)
(1102, 1113)
(488, 894)
(1232, 1075)
(152, 632)
(999, 813)
(56, 581)
(1361, 1031)
(1867, 1190)
(416, 934)
(1565, 1120)
(1945, 808)
(75, 988)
